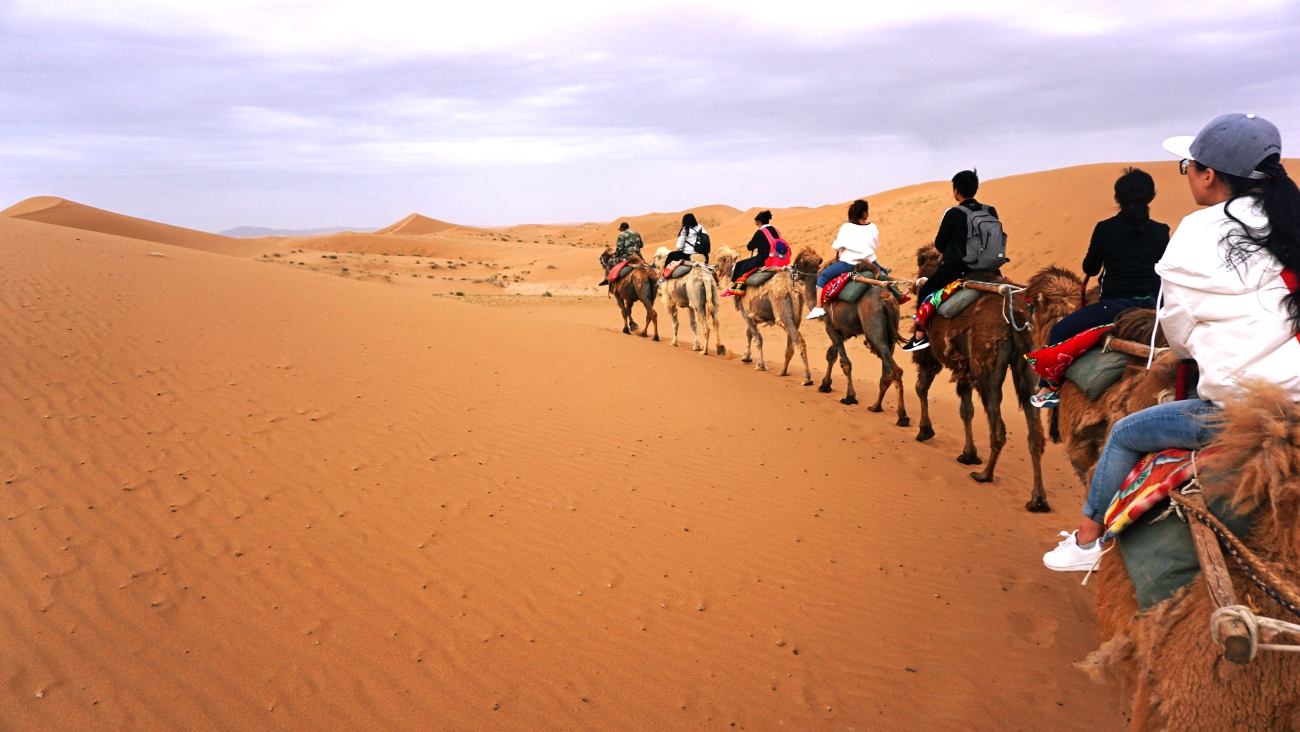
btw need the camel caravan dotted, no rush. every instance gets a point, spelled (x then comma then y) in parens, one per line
(1173, 384)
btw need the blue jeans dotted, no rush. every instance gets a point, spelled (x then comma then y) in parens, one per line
(1186, 425)
(1091, 316)
(833, 270)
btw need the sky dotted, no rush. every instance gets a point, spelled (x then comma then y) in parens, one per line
(295, 114)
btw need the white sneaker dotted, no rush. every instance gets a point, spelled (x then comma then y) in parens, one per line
(815, 313)
(1069, 557)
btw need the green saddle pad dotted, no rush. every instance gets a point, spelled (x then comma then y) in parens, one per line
(1160, 555)
(759, 278)
(958, 301)
(852, 291)
(1094, 372)
(681, 271)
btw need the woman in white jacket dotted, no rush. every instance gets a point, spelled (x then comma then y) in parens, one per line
(1231, 301)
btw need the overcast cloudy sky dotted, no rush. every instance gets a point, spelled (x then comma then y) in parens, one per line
(293, 114)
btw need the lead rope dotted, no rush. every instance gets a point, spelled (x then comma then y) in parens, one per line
(1009, 309)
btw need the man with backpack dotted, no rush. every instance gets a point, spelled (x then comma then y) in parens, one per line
(970, 239)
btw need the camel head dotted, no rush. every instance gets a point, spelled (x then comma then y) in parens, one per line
(725, 260)
(607, 258)
(1259, 467)
(661, 254)
(927, 261)
(807, 261)
(1054, 293)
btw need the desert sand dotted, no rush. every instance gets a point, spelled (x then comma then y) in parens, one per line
(304, 484)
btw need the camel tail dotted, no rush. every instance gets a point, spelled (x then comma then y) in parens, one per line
(1054, 430)
(892, 320)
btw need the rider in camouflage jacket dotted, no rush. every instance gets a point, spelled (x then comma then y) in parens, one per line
(629, 243)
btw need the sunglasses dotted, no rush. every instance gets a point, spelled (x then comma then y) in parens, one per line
(1182, 166)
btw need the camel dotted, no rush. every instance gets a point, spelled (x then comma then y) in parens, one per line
(978, 346)
(639, 285)
(1165, 656)
(874, 317)
(697, 291)
(1079, 422)
(779, 301)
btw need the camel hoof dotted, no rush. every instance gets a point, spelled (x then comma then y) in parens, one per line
(965, 459)
(809, 382)
(874, 408)
(746, 360)
(904, 422)
(761, 367)
(824, 388)
(925, 434)
(1038, 505)
(626, 331)
(982, 478)
(656, 339)
(849, 400)
(722, 350)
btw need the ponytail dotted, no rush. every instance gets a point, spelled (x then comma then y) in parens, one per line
(1134, 192)
(1279, 197)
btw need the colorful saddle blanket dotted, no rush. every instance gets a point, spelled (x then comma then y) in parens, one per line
(758, 276)
(618, 270)
(832, 288)
(1158, 550)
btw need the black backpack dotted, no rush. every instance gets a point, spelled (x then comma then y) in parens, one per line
(986, 243)
(702, 243)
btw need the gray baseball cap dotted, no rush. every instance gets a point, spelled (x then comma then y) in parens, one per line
(1230, 143)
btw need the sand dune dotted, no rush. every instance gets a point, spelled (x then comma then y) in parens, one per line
(415, 225)
(323, 491)
(62, 212)
(337, 505)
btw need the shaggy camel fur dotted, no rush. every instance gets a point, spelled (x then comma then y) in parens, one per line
(638, 286)
(779, 301)
(1165, 657)
(874, 317)
(697, 291)
(1080, 422)
(979, 347)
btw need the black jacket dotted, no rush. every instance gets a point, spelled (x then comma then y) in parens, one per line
(759, 245)
(951, 241)
(1129, 257)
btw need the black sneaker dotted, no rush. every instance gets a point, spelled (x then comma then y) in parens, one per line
(918, 343)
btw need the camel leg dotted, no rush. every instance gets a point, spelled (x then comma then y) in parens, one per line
(969, 455)
(625, 308)
(757, 335)
(832, 354)
(1021, 379)
(749, 336)
(991, 396)
(926, 371)
(672, 314)
(695, 333)
(794, 339)
(646, 294)
(712, 304)
(890, 372)
(850, 394)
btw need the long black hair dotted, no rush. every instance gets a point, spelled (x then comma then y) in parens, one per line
(1134, 192)
(688, 223)
(1277, 193)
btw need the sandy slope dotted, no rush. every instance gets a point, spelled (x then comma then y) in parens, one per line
(246, 496)
(52, 210)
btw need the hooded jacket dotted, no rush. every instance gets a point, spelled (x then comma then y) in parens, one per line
(1230, 319)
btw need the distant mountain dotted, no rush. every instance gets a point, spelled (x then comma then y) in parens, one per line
(248, 232)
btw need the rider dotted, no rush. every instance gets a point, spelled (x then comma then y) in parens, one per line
(687, 239)
(1230, 300)
(1127, 245)
(951, 242)
(628, 246)
(855, 244)
(760, 246)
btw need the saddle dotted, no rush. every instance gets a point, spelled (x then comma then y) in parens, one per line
(619, 270)
(680, 269)
(1157, 546)
(761, 275)
(965, 297)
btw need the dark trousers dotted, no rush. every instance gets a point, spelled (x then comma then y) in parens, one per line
(745, 266)
(939, 281)
(676, 256)
(1091, 316)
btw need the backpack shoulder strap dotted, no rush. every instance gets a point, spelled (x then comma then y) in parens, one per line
(767, 231)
